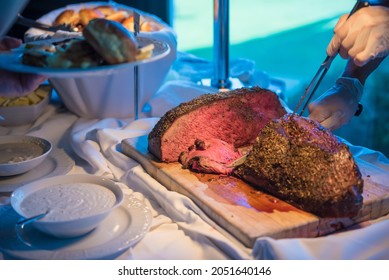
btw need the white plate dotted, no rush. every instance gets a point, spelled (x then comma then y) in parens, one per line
(56, 163)
(124, 227)
(12, 61)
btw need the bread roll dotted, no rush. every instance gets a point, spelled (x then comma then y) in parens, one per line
(106, 10)
(117, 16)
(149, 26)
(111, 40)
(67, 17)
(86, 15)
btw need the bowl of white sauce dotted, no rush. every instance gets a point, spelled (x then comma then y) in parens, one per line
(75, 204)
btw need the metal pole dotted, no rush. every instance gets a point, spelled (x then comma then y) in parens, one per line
(136, 92)
(136, 69)
(221, 44)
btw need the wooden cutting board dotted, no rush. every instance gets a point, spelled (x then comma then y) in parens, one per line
(247, 213)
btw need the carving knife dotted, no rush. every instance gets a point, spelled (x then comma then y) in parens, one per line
(321, 72)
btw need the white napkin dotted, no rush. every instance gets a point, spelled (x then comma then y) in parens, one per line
(371, 242)
(96, 142)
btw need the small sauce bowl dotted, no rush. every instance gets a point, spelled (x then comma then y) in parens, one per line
(21, 153)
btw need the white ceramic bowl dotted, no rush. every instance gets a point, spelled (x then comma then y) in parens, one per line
(77, 203)
(22, 115)
(112, 95)
(21, 153)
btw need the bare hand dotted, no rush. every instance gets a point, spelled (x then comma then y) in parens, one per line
(362, 37)
(14, 84)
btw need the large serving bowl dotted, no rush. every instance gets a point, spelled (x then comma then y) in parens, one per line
(112, 95)
(19, 153)
(76, 204)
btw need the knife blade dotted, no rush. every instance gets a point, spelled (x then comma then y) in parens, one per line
(323, 69)
(238, 161)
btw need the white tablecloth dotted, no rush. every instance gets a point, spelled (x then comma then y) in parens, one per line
(180, 229)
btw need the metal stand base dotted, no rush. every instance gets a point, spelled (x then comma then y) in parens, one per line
(234, 83)
(221, 84)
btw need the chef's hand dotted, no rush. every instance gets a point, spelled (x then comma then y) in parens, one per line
(362, 37)
(337, 105)
(16, 84)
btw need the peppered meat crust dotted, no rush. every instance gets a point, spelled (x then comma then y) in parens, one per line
(301, 162)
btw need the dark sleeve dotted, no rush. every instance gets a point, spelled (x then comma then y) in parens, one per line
(361, 73)
(384, 3)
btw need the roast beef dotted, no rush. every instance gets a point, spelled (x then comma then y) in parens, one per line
(299, 161)
(235, 117)
(210, 156)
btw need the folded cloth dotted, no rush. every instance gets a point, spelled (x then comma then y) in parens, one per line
(96, 141)
(370, 242)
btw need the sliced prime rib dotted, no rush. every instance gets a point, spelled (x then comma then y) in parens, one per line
(235, 117)
(299, 161)
(210, 156)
